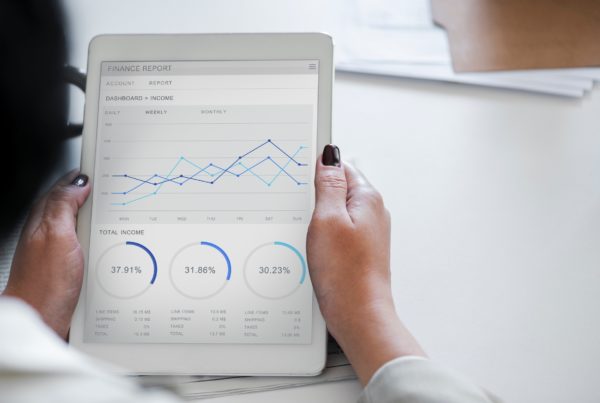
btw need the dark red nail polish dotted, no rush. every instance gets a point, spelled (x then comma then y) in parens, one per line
(331, 155)
(80, 180)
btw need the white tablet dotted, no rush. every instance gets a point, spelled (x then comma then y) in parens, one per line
(201, 152)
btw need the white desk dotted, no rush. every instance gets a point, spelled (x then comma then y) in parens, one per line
(495, 199)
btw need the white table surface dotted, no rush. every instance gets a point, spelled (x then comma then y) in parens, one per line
(495, 199)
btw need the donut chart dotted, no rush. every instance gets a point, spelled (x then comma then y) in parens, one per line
(200, 270)
(126, 270)
(275, 270)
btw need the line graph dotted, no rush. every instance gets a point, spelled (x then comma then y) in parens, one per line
(213, 164)
(244, 165)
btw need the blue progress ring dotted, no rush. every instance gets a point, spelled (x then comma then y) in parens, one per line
(217, 247)
(139, 245)
(297, 252)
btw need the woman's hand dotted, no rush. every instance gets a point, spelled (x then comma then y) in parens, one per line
(348, 250)
(47, 269)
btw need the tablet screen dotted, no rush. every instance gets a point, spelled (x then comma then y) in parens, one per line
(202, 197)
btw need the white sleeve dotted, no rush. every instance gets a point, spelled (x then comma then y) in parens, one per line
(419, 380)
(36, 366)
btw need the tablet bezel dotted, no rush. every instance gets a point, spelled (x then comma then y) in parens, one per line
(217, 359)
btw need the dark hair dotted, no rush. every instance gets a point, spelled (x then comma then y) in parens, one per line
(33, 108)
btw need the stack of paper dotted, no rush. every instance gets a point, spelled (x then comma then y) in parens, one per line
(398, 38)
(203, 387)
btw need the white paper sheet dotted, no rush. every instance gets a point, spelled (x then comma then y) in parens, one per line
(394, 13)
(203, 387)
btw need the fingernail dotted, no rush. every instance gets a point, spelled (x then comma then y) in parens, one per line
(80, 181)
(331, 155)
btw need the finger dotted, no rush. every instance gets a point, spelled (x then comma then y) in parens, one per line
(62, 202)
(37, 209)
(330, 184)
(66, 197)
(356, 179)
(363, 198)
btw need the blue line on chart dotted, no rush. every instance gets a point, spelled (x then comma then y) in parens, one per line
(215, 173)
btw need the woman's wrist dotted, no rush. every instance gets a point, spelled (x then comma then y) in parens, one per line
(51, 308)
(351, 310)
(373, 335)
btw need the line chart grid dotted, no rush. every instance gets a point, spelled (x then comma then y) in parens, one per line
(234, 160)
(236, 169)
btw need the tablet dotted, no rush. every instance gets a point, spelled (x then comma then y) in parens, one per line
(201, 151)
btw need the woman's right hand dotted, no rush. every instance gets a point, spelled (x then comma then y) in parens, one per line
(348, 250)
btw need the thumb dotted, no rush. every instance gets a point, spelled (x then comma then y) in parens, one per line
(61, 204)
(330, 183)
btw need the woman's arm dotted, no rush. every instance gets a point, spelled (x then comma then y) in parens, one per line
(47, 269)
(349, 259)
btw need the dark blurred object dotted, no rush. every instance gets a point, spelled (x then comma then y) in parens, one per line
(33, 110)
(488, 35)
(78, 79)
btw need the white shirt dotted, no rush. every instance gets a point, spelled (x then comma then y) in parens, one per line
(36, 366)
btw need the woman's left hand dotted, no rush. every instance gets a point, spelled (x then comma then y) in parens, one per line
(47, 269)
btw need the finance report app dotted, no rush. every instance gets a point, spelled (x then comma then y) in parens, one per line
(202, 197)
